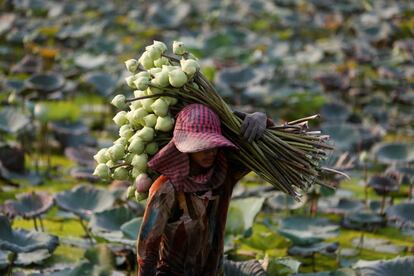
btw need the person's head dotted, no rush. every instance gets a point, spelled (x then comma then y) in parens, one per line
(204, 158)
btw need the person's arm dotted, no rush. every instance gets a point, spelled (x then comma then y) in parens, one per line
(154, 221)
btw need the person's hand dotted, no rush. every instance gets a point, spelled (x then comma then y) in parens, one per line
(253, 126)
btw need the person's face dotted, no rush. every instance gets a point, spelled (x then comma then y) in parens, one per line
(204, 158)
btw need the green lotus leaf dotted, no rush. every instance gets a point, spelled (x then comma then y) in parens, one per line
(29, 205)
(110, 221)
(89, 61)
(45, 82)
(82, 268)
(101, 82)
(306, 230)
(339, 272)
(407, 174)
(35, 257)
(245, 268)
(236, 77)
(4, 258)
(83, 200)
(392, 153)
(344, 136)
(335, 112)
(249, 207)
(24, 241)
(282, 201)
(131, 228)
(168, 15)
(345, 206)
(379, 245)
(283, 266)
(84, 174)
(306, 251)
(81, 155)
(12, 120)
(14, 85)
(403, 213)
(362, 221)
(396, 266)
(235, 222)
(383, 185)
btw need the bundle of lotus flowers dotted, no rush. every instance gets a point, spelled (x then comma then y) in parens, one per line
(288, 156)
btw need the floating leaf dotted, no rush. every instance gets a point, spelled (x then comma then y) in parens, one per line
(282, 201)
(110, 221)
(391, 153)
(29, 205)
(45, 82)
(396, 266)
(249, 208)
(335, 112)
(383, 185)
(12, 120)
(345, 206)
(306, 251)
(35, 257)
(131, 228)
(403, 212)
(89, 61)
(101, 82)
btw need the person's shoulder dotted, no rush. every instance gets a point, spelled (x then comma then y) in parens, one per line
(161, 185)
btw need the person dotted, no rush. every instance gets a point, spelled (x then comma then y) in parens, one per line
(182, 232)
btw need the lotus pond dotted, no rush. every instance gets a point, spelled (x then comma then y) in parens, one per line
(352, 62)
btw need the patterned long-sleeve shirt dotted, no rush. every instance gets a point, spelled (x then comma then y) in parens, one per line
(183, 233)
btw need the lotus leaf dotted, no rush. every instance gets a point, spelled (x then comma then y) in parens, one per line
(89, 61)
(83, 268)
(81, 155)
(110, 221)
(14, 85)
(396, 266)
(383, 185)
(362, 221)
(391, 153)
(131, 228)
(29, 64)
(407, 174)
(306, 251)
(29, 205)
(379, 245)
(249, 208)
(83, 200)
(4, 259)
(168, 15)
(84, 174)
(345, 206)
(281, 201)
(339, 272)
(35, 257)
(307, 231)
(335, 112)
(20, 240)
(403, 213)
(12, 120)
(345, 136)
(251, 267)
(45, 82)
(236, 77)
(283, 266)
(102, 82)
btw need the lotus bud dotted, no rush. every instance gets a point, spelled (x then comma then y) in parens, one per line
(119, 101)
(169, 68)
(161, 79)
(110, 163)
(189, 66)
(154, 71)
(161, 61)
(139, 162)
(136, 117)
(177, 78)
(160, 45)
(146, 61)
(131, 65)
(102, 171)
(101, 156)
(128, 158)
(140, 196)
(130, 192)
(178, 48)
(140, 93)
(142, 83)
(151, 148)
(142, 183)
(363, 157)
(146, 104)
(153, 52)
(134, 106)
(136, 146)
(41, 112)
(153, 90)
(120, 118)
(150, 120)
(143, 74)
(126, 131)
(121, 141)
(135, 172)
(164, 123)
(116, 152)
(120, 173)
(146, 134)
(170, 100)
(160, 107)
(130, 81)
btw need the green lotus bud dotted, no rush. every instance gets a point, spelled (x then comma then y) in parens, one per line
(160, 45)
(136, 146)
(136, 117)
(189, 66)
(116, 152)
(161, 61)
(140, 196)
(140, 93)
(120, 173)
(131, 65)
(178, 48)
(121, 141)
(119, 101)
(130, 81)
(146, 104)
(134, 106)
(130, 192)
(154, 71)
(177, 78)
(102, 171)
(126, 131)
(151, 148)
(153, 90)
(135, 172)
(363, 157)
(195, 85)
(142, 83)
(139, 162)
(120, 118)
(160, 107)
(161, 79)
(170, 100)
(146, 133)
(41, 112)
(169, 68)
(150, 120)
(143, 74)
(146, 61)
(142, 183)
(110, 163)
(101, 156)
(153, 52)
(164, 123)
